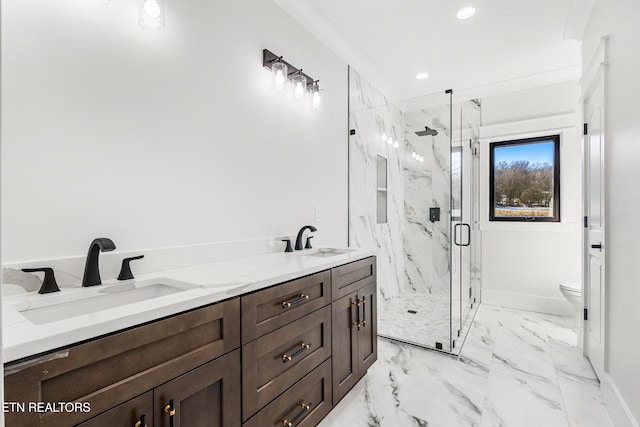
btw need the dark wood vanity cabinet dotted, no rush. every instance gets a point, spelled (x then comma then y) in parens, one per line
(354, 332)
(305, 344)
(111, 371)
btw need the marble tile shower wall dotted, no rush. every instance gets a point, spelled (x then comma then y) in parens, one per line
(370, 115)
(427, 184)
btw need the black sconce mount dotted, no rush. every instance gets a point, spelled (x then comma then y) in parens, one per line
(269, 58)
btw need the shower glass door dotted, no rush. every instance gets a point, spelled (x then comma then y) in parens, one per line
(422, 221)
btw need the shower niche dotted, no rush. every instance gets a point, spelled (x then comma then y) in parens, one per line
(428, 250)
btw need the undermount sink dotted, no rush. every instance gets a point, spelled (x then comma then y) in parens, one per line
(328, 252)
(96, 300)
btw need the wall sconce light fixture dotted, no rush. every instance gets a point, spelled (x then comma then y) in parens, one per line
(283, 72)
(316, 99)
(151, 14)
(280, 73)
(300, 84)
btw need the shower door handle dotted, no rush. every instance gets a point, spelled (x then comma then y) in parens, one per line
(455, 234)
(468, 234)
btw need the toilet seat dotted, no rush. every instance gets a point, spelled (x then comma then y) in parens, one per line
(574, 288)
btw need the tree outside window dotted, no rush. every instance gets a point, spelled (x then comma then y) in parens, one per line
(525, 180)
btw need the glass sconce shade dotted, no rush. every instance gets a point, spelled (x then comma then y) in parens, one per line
(300, 85)
(280, 72)
(389, 140)
(316, 99)
(151, 14)
(384, 136)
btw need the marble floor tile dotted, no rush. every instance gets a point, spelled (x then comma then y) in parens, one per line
(516, 369)
(583, 403)
(519, 400)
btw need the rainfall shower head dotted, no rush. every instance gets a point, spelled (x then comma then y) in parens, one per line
(427, 132)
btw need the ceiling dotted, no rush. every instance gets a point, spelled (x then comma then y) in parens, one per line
(507, 40)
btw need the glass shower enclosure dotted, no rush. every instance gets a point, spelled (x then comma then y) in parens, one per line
(428, 240)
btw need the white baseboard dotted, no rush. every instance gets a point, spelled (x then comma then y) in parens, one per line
(620, 413)
(537, 303)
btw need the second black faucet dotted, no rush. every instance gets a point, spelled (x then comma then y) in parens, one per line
(299, 245)
(91, 275)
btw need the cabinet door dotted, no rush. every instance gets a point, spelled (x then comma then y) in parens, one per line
(208, 396)
(344, 345)
(368, 330)
(139, 409)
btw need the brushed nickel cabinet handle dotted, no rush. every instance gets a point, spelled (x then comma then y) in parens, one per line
(287, 358)
(301, 298)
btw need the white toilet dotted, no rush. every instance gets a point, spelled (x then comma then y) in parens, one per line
(573, 293)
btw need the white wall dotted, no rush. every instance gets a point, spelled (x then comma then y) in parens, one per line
(618, 18)
(163, 139)
(523, 263)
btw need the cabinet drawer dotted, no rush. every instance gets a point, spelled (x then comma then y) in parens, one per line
(269, 309)
(108, 371)
(126, 414)
(273, 363)
(350, 277)
(314, 390)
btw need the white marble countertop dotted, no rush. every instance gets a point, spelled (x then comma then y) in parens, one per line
(203, 284)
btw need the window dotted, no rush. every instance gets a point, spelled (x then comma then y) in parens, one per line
(524, 180)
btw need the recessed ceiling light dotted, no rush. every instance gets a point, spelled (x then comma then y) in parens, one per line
(466, 12)
(422, 76)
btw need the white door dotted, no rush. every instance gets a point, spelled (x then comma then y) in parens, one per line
(594, 237)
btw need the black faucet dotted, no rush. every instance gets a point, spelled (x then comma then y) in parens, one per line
(299, 238)
(91, 275)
